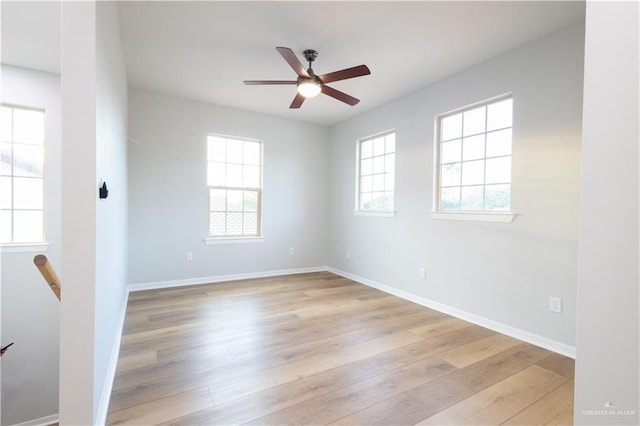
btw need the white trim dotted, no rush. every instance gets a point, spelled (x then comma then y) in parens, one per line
(42, 421)
(508, 330)
(103, 408)
(23, 247)
(234, 240)
(374, 213)
(222, 278)
(495, 217)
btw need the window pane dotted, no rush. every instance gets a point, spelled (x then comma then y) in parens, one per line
(216, 174)
(474, 121)
(252, 153)
(388, 201)
(234, 175)
(450, 151)
(234, 223)
(472, 198)
(451, 127)
(499, 143)
(473, 173)
(28, 160)
(5, 124)
(498, 170)
(473, 147)
(250, 201)
(27, 226)
(450, 175)
(497, 197)
(217, 200)
(235, 200)
(5, 159)
(390, 163)
(366, 149)
(250, 224)
(390, 143)
(27, 193)
(378, 146)
(450, 198)
(377, 201)
(216, 149)
(389, 182)
(28, 126)
(217, 224)
(234, 151)
(378, 182)
(378, 164)
(500, 115)
(5, 192)
(251, 176)
(366, 167)
(365, 201)
(5, 226)
(366, 184)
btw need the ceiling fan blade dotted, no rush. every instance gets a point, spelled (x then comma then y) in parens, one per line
(344, 74)
(257, 82)
(293, 61)
(341, 96)
(297, 101)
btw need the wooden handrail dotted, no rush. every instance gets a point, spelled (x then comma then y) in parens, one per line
(48, 273)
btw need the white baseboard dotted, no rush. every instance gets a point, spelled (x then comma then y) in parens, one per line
(508, 330)
(221, 278)
(105, 398)
(42, 421)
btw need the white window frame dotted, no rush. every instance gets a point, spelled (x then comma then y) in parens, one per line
(236, 238)
(358, 210)
(14, 246)
(498, 216)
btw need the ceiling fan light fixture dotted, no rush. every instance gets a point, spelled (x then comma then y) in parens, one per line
(309, 88)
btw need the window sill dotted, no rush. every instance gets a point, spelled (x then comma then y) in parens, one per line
(234, 240)
(494, 217)
(23, 247)
(374, 213)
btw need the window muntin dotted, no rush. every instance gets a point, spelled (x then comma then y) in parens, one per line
(376, 173)
(474, 157)
(21, 175)
(234, 179)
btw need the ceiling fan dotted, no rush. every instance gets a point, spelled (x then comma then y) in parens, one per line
(308, 83)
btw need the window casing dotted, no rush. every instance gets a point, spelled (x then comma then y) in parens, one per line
(376, 173)
(21, 175)
(234, 178)
(473, 170)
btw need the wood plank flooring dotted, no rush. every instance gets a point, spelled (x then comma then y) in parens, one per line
(316, 349)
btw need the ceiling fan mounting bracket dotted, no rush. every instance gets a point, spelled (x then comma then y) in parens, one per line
(310, 55)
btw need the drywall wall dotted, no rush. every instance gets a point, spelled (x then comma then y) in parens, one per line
(607, 373)
(111, 213)
(501, 272)
(168, 198)
(94, 116)
(29, 309)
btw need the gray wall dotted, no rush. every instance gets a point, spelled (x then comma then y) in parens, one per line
(94, 240)
(608, 324)
(29, 309)
(502, 272)
(168, 201)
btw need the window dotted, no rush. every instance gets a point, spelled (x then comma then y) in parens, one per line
(234, 177)
(474, 158)
(21, 175)
(375, 171)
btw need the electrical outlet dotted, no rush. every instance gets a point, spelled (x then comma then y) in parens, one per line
(422, 273)
(189, 256)
(348, 254)
(292, 250)
(555, 304)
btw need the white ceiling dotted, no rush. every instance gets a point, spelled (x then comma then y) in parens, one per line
(204, 50)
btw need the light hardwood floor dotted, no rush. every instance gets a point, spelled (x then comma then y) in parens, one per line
(321, 349)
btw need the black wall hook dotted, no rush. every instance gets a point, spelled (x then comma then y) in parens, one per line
(104, 192)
